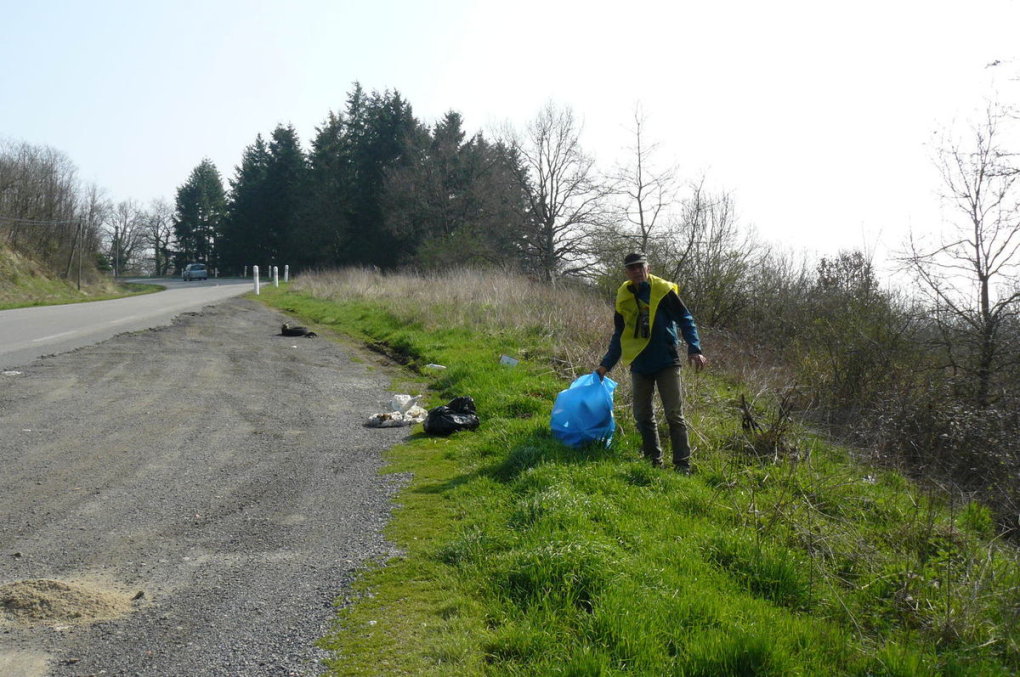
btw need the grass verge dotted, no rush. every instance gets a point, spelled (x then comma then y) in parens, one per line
(25, 283)
(524, 557)
(43, 292)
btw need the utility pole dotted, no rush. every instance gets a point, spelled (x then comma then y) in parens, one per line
(74, 244)
(81, 246)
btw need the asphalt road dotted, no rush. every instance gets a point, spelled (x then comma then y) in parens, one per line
(215, 467)
(29, 333)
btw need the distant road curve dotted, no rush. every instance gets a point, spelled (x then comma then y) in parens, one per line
(29, 333)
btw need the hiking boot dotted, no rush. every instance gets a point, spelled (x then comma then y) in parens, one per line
(683, 469)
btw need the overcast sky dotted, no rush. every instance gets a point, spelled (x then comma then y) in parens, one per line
(818, 117)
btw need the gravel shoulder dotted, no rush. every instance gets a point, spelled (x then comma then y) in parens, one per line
(215, 473)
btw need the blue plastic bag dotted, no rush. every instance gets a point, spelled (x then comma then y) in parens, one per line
(583, 413)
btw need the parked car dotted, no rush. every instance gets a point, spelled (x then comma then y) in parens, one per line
(195, 271)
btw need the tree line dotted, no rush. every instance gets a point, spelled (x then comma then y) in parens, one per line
(47, 212)
(376, 188)
(379, 188)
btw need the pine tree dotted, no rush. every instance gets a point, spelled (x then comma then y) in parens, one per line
(200, 208)
(245, 225)
(342, 220)
(380, 134)
(323, 222)
(455, 200)
(286, 181)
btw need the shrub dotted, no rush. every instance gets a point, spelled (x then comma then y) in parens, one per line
(934, 435)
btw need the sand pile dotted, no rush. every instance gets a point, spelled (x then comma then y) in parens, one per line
(42, 601)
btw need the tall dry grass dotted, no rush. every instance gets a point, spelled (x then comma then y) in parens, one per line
(575, 322)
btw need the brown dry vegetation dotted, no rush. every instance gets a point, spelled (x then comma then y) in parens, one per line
(25, 282)
(473, 298)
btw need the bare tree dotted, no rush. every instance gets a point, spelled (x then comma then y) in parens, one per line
(94, 207)
(566, 200)
(709, 253)
(127, 236)
(38, 196)
(37, 183)
(647, 192)
(970, 277)
(159, 233)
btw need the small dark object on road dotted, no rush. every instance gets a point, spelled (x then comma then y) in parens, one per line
(458, 414)
(296, 330)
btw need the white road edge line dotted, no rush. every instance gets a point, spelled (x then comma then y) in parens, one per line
(53, 336)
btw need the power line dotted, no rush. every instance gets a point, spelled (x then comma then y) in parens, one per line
(14, 220)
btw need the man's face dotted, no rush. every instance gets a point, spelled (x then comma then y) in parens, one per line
(637, 273)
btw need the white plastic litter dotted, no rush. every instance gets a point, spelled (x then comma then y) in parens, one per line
(508, 361)
(395, 419)
(432, 365)
(404, 410)
(402, 403)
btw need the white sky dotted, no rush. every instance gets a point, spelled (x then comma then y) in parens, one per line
(818, 117)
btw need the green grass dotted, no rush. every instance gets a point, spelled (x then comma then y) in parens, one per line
(521, 556)
(20, 289)
(54, 293)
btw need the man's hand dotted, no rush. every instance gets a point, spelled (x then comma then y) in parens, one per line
(601, 371)
(697, 360)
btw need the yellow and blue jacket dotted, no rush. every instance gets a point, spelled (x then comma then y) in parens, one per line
(645, 327)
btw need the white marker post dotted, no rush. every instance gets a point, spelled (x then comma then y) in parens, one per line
(255, 275)
(276, 276)
(286, 273)
(245, 272)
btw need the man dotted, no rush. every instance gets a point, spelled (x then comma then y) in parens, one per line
(648, 311)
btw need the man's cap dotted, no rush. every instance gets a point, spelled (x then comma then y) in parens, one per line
(634, 259)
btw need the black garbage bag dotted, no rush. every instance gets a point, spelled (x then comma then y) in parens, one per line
(457, 414)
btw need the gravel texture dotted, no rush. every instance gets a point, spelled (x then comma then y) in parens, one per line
(216, 472)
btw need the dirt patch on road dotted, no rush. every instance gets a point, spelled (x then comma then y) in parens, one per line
(48, 602)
